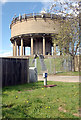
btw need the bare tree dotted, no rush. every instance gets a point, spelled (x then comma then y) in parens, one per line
(68, 36)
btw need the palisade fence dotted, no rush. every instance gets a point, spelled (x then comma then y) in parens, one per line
(54, 64)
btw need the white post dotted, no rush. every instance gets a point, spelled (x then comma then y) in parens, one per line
(45, 81)
(45, 78)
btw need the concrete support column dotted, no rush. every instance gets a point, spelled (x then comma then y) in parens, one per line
(54, 49)
(24, 50)
(31, 45)
(13, 48)
(18, 50)
(21, 46)
(43, 45)
(15, 51)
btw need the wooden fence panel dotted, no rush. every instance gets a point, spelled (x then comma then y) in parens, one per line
(14, 71)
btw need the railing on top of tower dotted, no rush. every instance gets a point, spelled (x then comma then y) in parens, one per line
(35, 15)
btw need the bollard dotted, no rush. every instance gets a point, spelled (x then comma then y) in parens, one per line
(45, 78)
(45, 81)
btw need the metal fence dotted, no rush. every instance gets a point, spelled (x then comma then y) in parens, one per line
(53, 64)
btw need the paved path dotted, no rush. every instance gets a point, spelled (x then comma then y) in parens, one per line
(61, 78)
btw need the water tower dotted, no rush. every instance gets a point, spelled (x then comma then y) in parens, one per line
(34, 30)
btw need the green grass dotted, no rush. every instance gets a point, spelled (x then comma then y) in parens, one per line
(50, 64)
(54, 65)
(34, 101)
(68, 73)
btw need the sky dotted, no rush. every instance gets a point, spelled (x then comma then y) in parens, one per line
(7, 11)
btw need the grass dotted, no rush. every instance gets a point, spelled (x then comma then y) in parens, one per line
(68, 73)
(54, 66)
(34, 101)
(50, 64)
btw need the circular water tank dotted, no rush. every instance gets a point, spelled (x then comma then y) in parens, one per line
(34, 24)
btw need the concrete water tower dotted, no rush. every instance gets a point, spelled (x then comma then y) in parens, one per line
(34, 31)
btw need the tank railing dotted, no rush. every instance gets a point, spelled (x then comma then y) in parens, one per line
(34, 15)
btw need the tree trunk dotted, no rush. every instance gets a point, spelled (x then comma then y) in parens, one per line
(60, 52)
(73, 64)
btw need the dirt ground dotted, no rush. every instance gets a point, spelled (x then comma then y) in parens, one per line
(61, 78)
